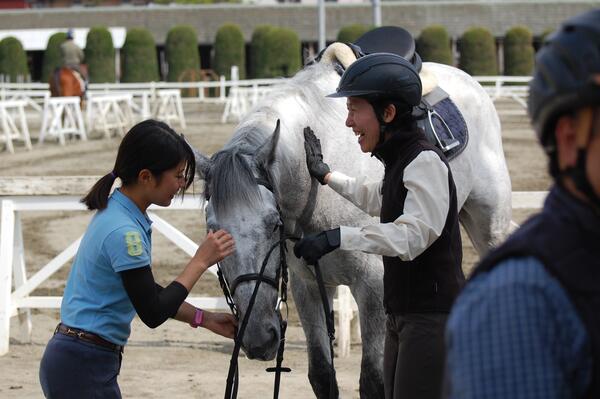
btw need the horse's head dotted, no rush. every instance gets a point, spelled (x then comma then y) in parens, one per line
(241, 200)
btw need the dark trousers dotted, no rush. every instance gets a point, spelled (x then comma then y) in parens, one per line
(72, 368)
(413, 360)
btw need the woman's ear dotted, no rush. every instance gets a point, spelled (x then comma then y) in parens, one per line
(566, 141)
(389, 113)
(145, 176)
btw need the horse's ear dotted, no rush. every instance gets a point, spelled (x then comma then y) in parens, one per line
(202, 161)
(266, 152)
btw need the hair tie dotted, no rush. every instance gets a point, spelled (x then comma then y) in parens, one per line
(113, 174)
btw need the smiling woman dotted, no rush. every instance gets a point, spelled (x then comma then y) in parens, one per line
(111, 279)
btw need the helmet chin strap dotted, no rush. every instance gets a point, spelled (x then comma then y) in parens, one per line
(578, 172)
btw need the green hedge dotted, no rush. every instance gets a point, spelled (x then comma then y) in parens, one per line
(275, 52)
(13, 60)
(229, 50)
(259, 51)
(478, 52)
(181, 50)
(518, 52)
(138, 57)
(349, 33)
(434, 45)
(52, 58)
(100, 55)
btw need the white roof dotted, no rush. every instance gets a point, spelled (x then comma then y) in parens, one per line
(37, 39)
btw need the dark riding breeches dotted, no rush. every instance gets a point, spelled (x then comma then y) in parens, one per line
(413, 361)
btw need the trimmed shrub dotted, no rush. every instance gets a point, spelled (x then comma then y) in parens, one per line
(229, 50)
(258, 51)
(284, 52)
(52, 58)
(518, 52)
(181, 50)
(349, 33)
(100, 55)
(138, 57)
(478, 52)
(275, 52)
(13, 60)
(434, 45)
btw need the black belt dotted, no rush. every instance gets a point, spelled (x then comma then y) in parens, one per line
(88, 337)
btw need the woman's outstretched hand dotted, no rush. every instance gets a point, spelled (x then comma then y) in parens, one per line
(216, 246)
(220, 323)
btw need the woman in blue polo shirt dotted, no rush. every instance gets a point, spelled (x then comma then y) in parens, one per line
(111, 278)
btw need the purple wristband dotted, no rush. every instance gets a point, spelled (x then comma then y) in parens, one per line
(198, 317)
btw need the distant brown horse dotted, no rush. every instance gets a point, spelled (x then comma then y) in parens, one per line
(64, 82)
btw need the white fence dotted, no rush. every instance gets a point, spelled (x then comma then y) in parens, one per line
(237, 95)
(16, 287)
(31, 195)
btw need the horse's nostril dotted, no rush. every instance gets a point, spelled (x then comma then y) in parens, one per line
(274, 336)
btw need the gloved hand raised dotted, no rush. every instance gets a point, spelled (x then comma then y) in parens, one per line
(314, 246)
(314, 157)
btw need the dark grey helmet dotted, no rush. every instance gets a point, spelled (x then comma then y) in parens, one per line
(381, 76)
(567, 74)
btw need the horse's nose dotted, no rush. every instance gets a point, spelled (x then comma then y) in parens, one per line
(263, 345)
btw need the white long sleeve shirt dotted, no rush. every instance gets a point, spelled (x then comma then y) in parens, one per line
(425, 210)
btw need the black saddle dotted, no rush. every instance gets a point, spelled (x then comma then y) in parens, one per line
(389, 39)
(385, 39)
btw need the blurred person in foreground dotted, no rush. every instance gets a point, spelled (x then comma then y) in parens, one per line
(527, 325)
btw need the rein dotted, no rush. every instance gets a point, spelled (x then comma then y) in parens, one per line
(282, 274)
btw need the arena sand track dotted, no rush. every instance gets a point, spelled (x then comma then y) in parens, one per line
(174, 360)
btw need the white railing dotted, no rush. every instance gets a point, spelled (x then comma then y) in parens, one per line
(221, 87)
(513, 87)
(18, 300)
(497, 86)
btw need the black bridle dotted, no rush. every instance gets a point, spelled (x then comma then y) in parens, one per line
(281, 277)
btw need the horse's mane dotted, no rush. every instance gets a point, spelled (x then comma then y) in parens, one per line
(232, 168)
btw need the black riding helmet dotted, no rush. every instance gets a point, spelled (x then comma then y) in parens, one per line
(564, 77)
(381, 76)
(567, 78)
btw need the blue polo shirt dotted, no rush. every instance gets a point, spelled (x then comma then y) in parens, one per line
(117, 239)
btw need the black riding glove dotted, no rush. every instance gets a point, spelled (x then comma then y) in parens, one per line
(314, 246)
(314, 157)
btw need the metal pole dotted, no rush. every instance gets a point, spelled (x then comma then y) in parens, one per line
(321, 5)
(376, 12)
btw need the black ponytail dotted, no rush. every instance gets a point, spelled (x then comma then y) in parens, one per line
(97, 197)
(151, 145)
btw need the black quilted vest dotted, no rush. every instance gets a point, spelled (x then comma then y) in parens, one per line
(431, 281)
(565, 237)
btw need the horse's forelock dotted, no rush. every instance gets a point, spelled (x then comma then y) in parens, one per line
(232, 182)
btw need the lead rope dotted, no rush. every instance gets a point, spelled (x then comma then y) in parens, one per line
(282, 322)
(232, 376)
(329, 321)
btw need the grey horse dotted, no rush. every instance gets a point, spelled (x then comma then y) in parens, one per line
(253, 212)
